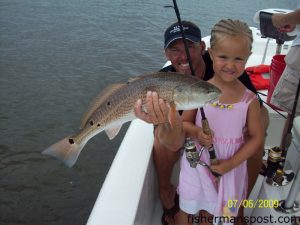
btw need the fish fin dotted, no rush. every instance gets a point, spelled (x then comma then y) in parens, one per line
(172, 114)
(65, 150)
(112, 131)
(98, 100)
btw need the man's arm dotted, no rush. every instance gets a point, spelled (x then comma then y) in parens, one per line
(286, 22)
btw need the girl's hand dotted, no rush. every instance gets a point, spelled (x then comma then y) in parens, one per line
(223, 167)
(203, 139)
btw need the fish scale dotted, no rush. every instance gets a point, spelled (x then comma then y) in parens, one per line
(124, 107)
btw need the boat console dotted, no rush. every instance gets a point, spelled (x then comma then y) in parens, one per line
(264, 18)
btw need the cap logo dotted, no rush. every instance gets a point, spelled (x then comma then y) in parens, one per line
(177, 29)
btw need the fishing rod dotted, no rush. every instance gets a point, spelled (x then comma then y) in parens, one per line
(195, 158)
(192, 155)
(207, 131)
(182, 34)
(271, 106)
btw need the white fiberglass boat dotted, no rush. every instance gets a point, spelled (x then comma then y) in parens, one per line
(129, 194)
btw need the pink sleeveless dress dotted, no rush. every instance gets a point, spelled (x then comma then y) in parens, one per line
(197, 188)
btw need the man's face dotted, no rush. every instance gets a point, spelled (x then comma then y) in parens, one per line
(177, 55)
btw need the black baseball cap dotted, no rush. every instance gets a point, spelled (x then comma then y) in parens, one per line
(191, 31)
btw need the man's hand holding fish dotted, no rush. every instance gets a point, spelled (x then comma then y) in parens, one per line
(165, 117)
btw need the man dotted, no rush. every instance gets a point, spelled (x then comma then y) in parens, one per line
(286, 88)
(157, 112)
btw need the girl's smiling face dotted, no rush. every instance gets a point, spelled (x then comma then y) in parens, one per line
(229, 56)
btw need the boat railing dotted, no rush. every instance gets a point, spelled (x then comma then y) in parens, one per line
(120, 200)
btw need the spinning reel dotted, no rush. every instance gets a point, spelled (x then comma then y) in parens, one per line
(274, 170)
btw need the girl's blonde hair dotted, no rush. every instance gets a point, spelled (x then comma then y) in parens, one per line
(229, 27)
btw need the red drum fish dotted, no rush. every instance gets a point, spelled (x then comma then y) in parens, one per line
(114, 106)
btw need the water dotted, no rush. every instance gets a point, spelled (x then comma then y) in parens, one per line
(55, 57)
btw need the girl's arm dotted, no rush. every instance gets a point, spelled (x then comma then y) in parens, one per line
(193, 131)
(253, 142)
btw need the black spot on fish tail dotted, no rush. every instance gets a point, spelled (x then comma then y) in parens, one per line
(91, 122)
(108, 103)
(71, 141)
(98, 125)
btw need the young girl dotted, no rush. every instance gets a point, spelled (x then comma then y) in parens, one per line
(236, 110)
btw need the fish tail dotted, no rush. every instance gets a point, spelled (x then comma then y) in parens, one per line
(66, 150)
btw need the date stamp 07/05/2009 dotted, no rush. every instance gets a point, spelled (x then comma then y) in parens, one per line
(249, 203)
